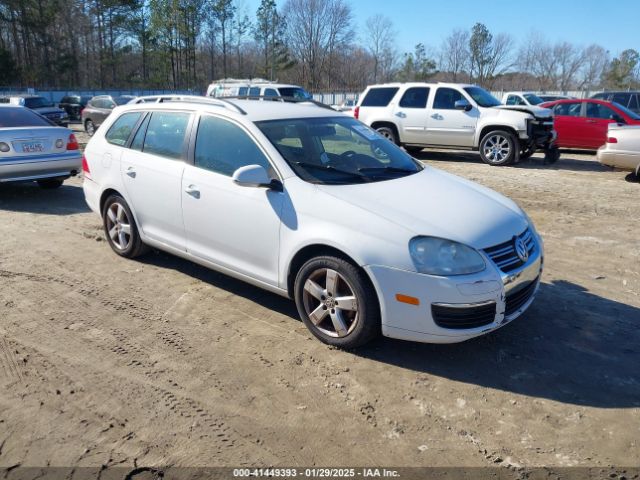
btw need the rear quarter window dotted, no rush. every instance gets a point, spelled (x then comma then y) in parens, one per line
(121, 129)
(379, 97)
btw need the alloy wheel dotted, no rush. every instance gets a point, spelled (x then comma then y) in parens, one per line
(497, 148)
(118, 226)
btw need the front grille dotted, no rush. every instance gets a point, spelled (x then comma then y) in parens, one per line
(516, 300)
(504, 255)
(463, 317)
(540, 128)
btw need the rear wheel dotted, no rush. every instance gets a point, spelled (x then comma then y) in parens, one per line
(498, 148)
(388, 133)
(50, 184)
(337, 302)
(90, 128)
(121, 229)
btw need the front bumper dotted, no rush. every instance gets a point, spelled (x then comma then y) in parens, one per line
(39, 167)
(511, 294)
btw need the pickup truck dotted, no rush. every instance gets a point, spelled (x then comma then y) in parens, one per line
(458, 116)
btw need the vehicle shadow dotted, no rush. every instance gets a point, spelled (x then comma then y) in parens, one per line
(571, 346)
(29, 197)
(568, 160)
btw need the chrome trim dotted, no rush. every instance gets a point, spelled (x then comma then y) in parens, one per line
(465, 305)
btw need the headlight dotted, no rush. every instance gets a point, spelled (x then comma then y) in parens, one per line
(438, 256)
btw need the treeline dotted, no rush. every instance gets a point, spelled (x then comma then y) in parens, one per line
(184, 44)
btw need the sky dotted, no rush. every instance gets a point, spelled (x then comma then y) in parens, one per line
(581, 22)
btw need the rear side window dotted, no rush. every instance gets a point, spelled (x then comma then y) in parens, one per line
(568, 109)
(379, 97)
(270, 92)
(621, 98)
(165, 134)
(446, 98)
(415, 97)
(223, 147)
(254, 91)
(121, 129)
(21, 117)
(635, 102)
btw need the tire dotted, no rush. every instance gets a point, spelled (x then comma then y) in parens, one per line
(498, 148)
(527, 152)
(351, 325)
(89, 127)
(388, 133)
(50, 184)
(120, 228)
(552, 154)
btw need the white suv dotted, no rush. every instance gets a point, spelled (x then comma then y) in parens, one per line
(458, 116)
(315, 206)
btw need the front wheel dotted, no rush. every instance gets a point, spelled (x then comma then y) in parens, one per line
(337, 302)
(498, 148)
(527, 152)
(121, 229)
(90, 128)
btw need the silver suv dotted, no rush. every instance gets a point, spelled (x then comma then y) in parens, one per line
(447, 115)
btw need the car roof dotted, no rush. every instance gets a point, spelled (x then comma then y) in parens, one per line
(421, 84)
(254, 110)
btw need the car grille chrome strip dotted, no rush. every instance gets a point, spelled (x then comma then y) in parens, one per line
(505, 256)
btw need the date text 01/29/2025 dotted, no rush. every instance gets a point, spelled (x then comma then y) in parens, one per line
(315, 472)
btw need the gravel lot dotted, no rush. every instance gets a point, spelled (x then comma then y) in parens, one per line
(105, 361)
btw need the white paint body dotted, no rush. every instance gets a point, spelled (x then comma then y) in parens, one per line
(625, 154)
(254, 233)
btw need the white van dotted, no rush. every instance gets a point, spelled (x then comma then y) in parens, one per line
(256, 87)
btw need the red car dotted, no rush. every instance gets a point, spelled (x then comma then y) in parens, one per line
(584, 123)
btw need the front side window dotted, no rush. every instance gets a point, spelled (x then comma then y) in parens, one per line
(415, 97)
(121, 129)
(446, 99)
(379, 97)
(223, 147)
(337, 150)
(165, 134)
(596, 110)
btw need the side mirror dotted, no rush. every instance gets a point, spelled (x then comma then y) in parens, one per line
(255, 176)
(618, 119)
(462, 105)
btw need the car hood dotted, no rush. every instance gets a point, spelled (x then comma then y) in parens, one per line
(539, 112)
(438, 204)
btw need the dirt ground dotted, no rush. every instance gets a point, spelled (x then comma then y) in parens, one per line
(106, 361)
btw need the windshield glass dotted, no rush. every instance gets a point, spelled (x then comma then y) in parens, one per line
(626, 111)
(295, 92)
(337, 150)
(533, 99)
(482, 97)
(37, 102)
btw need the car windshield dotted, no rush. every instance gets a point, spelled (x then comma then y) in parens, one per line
(482, 97)
(124, 99)
(37, 102)
(21, 117)
(533, 99)
(626, 111)
(337, 150)
(295, 92)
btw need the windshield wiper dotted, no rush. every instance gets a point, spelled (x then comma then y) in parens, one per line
(386, 169)
(330, 168)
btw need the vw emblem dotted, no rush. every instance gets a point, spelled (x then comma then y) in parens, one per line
(521, 249)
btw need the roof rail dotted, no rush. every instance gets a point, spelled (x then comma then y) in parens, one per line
(279, 98)
(221, 102)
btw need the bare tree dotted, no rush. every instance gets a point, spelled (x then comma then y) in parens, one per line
(380, 36)
(596, 60)
(570, 59)
(455, 53)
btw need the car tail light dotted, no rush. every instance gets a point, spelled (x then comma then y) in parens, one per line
(612, 140)
(4, 147)
(72, 143)
(85, 167)
(356, 112)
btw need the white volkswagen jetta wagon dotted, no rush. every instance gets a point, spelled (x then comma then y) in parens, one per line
(315, 206)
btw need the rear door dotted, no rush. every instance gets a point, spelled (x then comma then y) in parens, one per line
(152, 171)
(447, 125)
(411, 114)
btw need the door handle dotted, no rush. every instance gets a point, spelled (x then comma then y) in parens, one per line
(131, 172)
(591, 121)
(436, 116)
(193, 191)
(401, 115)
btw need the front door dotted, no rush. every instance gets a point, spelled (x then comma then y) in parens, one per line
(569, 124)
(598, 117)
(152, 171)
(447, 125)
(230, 225)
